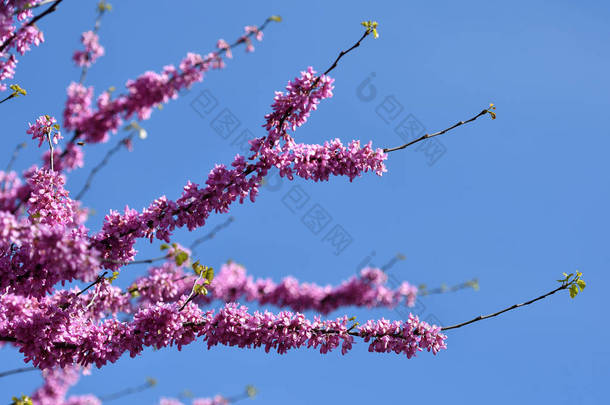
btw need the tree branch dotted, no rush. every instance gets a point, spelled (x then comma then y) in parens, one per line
(101, 165)
(32, 22)
(563, 286)
(426, 136)
(17, 371)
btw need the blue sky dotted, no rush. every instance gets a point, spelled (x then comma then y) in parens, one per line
(514, 202)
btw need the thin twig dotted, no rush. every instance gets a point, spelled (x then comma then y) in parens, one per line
(206, 60)
(126, 391)
(42, 3)
(564, 286)
(251, 168)
(99, 278)
(237, 398)
(8, 97)
(50, 147)
(9, 166)
(143, 261)
(192, 295)
(96, 29)
(17, 371)
(426, 136)
(210, 235)
(100, 165)
(474, 284)
(32, 22)
(95, 294)
(343, 53)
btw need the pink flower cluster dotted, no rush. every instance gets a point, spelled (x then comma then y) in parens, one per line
(167, 283)
(57, 382)
(45, 126)
(225, 186)
(49, 202)
(251, 30)
(92, 51)
(11, 36)
(62, 334)
(78, 105)
(143, 94)
(48, 247)
(11, 190)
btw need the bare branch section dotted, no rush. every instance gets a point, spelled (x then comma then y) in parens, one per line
(17, 371)
(150, 382)
(457, 124)
(572, 282)
(101, 165)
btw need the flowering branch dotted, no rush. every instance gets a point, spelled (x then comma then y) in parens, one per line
(168, 283)
(102, 7)
(34, 20)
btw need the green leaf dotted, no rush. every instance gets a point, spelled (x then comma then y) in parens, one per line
(198, 268)
(251, 391)
(133, 290)
(24, 400)
(181, 257)
(17, 90)
(581, 284)
(275, 18)
(199, 289)
(573, 290)
(209, 274)
(164, 246)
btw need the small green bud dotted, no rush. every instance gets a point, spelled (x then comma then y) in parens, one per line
(17, 90)
(251, 391)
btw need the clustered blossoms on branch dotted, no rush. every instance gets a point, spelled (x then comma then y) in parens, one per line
(42, 129)
(93, 50)
(58, 331)
(57, 382)
(168, 282)
(144, 93)
(224, 186)
(16, 33)
(43, 243)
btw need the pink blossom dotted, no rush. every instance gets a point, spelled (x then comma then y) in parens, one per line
(223, 45)
(59, 334)
(168, 282)
(44, 126)
(93, 50)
